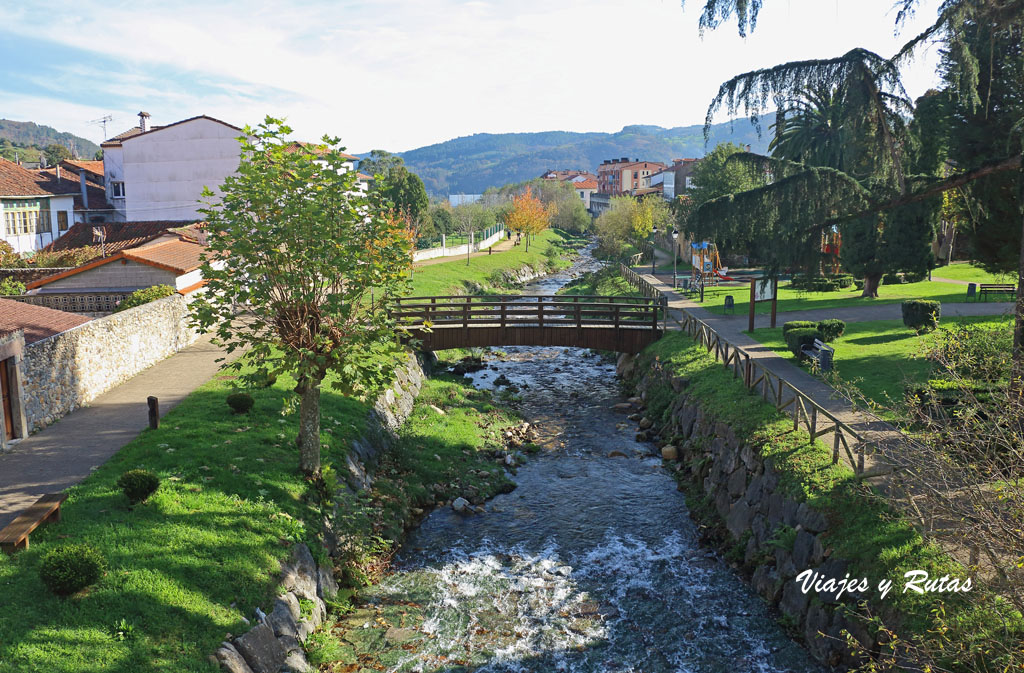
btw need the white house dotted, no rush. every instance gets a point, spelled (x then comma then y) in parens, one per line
(159, 172)
(35, 209)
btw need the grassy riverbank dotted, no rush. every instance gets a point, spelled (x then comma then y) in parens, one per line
(192, 563)
(877, 541)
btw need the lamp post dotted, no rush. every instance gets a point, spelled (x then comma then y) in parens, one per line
(654, 234)
(675, 254)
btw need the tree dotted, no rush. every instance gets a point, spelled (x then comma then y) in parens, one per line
(714, 177)
(300, 269)
(404, 190)
(379, 162)
(469, 218)
(528, 215)
(55, 154)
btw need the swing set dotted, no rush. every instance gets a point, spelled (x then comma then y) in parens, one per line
(706, 265)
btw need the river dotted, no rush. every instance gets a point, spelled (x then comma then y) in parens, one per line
(591, 564)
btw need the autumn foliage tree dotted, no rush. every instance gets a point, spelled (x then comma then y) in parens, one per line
(528, 215)
(300, 268)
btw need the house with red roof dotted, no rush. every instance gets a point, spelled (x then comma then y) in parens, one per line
(35, 208)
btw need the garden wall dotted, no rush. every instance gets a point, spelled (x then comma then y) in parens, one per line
(70, 369)
(780, 536)
(28, 275)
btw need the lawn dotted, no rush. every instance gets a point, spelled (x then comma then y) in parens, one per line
(878, 356)
(489, 272)
(800, 300)
(971, 273)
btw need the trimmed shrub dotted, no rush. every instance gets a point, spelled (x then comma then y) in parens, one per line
(240, 403)
(70, 568)
(843, 280)
(797, 338)
(814, 284)
(915, 276)
(137, 485)
(921, 315)
(144, 296)
(831, 329)
(797, 324)
(893, 279)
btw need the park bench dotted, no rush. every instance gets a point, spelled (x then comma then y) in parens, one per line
(997, 288)
(15, 535)
(821, 353)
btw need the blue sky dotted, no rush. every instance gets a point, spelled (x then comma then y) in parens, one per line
(399, 74)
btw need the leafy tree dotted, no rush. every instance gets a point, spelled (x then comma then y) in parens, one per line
(441, 216)
(714, 177)
(469, 218)
(404, 190)
(379, 162)
(55, 154)
(300, 268)
(528, 215)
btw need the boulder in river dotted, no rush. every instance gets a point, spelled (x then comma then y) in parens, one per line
(460, 505)
(669, 452)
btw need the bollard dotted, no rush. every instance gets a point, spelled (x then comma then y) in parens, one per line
(154, 412)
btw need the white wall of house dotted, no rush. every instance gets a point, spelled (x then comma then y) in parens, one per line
(35, 238)
(584, 194)
(187, 279)
(164, 171)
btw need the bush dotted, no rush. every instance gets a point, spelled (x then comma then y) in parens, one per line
(240, 403)
(843, 280)
(797, 324)
(921, 315)
(797, 338)
(70, 568)
(144, 296)
(138, 485)
(915, 276)
(830, 329)
(9, 287)
(893, 279)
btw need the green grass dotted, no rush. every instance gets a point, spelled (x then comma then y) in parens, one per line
(489, 272)
(878, 356)
(876, 541)
(798, 300)
(971, 273)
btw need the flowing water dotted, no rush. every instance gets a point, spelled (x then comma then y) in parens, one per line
(591, 564)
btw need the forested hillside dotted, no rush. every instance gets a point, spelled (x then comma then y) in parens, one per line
(28, 139)
(471, 164)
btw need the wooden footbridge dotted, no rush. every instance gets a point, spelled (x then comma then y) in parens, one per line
(622, 324)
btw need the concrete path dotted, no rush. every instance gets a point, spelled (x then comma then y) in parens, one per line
(866, 313)
(65, 453)
(501, 246)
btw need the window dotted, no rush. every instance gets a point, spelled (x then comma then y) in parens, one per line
(117, 190)
(62, 220)
(26, 217)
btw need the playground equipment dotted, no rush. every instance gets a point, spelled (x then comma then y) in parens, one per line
(707, 266)
(831, 245)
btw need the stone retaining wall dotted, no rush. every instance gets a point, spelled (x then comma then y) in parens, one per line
(781, 535)
(70, 369)
(27, 275)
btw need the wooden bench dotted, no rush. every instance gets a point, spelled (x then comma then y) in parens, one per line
(821, 353)
(15, 535)
(997, 288)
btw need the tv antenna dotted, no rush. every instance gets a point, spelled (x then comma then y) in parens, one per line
(103, 120)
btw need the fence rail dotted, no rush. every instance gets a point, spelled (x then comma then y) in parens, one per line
(529, 310)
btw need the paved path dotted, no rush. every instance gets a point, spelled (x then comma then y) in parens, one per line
(501, 246)
(866, 313)
(65, 453)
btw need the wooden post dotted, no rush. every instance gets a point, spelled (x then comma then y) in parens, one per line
(835, 447)
(154, 412)
(617, 307)
(775, 299)
(504, 312)
(540, 311)
(814, 422)
(750, 321)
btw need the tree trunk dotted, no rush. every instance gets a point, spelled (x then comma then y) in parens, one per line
(308, 440)
(871, 283)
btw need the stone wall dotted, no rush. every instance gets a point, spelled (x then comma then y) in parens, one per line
(70, 369)
(28, 275)
(781, 536)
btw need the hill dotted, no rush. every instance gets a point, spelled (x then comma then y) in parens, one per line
(29, 138)
(471, 164)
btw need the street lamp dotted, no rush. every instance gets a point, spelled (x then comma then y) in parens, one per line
(654, 234)
(675, 254)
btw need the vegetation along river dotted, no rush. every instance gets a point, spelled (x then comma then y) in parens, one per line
(591, 564)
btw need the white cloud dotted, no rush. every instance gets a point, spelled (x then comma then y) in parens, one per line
(402, 73)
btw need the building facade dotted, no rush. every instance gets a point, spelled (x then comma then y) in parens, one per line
(622, 176)
(35, 209)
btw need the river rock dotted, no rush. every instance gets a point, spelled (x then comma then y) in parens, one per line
(502, 381)
(616, 454)
(669, 452)
(794, 601)
(398, 635)
(296, 662)
(646, 423)
(766, 582)
(460, 505)
(803, 548)
(283, 619)
(623, 407)
(811, 519)
(261, 650)
(230, 660)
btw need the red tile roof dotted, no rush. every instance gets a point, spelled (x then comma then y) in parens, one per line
(38, 322)
(69, 183)
(120, 235)
(18, 181)
(93, 169)
(177, 255)
(589, 183)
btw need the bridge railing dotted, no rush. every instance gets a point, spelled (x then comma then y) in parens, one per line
(529, 310)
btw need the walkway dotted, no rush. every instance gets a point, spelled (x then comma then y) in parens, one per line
(866, 313)
(65, 453)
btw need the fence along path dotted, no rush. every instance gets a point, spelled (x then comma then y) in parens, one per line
(857, 446)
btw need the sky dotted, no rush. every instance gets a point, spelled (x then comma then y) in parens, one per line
(401, 74)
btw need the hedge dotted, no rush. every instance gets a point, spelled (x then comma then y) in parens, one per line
(797, 338)
(921, 315)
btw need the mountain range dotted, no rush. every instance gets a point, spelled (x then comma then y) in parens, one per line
(471, 164)
(35, 137)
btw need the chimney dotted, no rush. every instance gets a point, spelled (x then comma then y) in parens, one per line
(143, 121)
(85, 194)
(58, 172)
